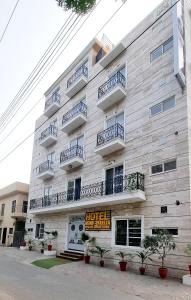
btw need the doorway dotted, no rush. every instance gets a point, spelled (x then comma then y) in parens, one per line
(76, 227)
(4, 236)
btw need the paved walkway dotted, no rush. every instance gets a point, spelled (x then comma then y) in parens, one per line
(19, 280)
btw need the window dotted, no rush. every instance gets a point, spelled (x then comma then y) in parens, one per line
(161, 49)
(56, 95)
(162, 106)
(115, 119)
(164, 167)
(13, 208)
(77, 142)
(2, 209)
(10, 230)
(30, 229)
(74, 189)
(128, 232)
(51, 156)
(39, 231)
(47, 195)
(163, 210)
(173, 231)
(114, 180)
(25, 206)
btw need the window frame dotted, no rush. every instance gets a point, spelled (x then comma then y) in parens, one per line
(165, 228)
(2, 209)
(162, 163)
(113, 230)
(162, 106)
(40, 234)
(162, 47)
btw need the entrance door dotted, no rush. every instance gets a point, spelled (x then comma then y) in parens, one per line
(19, 233)
(76, 227)
(4, 235)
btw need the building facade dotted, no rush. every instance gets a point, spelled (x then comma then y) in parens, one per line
(13, 213)
(111, 152)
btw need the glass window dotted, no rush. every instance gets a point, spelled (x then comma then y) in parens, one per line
(114, 180)
(13, 208)
(39, 231)
(157, 169)
(51, 156)
(156, 109)
(116, 119)
(173, 231)
(169, 103)
(128, 232)
(78, 141)
(171, 165)
(2, 209)
(156, 53)
(168, 44)
(10, 230)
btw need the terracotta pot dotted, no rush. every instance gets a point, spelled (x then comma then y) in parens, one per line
(123, 265)
(49, 247)
(87, 259)
(189, 266)
(142, 270)
(101, 263)
(163, 272)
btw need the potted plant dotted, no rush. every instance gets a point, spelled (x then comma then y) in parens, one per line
(143, 256)
(30, 243)
(188, 251)
(161, 244)
(88, 242)
(42, 243)
(23, 245)
(51, 235)
(101, 252)
(122, 262)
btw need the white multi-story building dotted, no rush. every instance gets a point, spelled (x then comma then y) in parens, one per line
(112, 150)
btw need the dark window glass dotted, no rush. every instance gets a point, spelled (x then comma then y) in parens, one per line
(168, 44)
(2, 209)
(30, 229)
(10, 230)
(13, 206)
(121, 232)
(70, 192)
(173, 231)
(171, 165)
(135, 232)
(156, 53)
(168, 104)
(156, 109)
(39, 231)
(157, 169)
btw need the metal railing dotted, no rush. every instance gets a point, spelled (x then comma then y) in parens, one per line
(120, 184)
(116, 79)
(55, 98)
(77, 109)
(75, 151)
(109, 134)
(45, 166)
(51, 130)
(83, 70)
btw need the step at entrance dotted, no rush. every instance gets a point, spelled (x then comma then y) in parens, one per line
(71, 255)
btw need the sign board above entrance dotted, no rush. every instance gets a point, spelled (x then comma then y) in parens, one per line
(98, 220)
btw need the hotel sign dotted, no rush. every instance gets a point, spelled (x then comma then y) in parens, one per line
(98, 221)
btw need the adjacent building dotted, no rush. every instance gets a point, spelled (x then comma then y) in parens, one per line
(112, 151)
(13, 213)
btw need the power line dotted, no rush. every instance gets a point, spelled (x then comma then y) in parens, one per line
(21, 93)
(10, 18)
(142, 33)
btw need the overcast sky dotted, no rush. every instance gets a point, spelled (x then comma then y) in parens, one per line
(32, 28)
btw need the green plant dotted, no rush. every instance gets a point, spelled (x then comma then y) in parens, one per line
(188, 249)
(100, 251)
(122, 255)
(88, 242)
(49, 237)
(30, 243)
(77, 6)
(143, 256)
(161, 244)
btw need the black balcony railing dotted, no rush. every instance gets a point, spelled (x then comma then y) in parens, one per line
(109, 134)
(120, 184)
(75, 151)
(55, 98)
(45, 166)
(117, 79)
(77, 109)
(51, 130)
(83, 70)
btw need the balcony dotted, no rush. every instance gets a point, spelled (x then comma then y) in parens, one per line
(45, 170)
(52, 105)
(49, 136)
(112, 91)
(110, 140)
(74, 118)
(72, 158)
(19, 212)
(122, 190)
(111, 55)
(77, 81)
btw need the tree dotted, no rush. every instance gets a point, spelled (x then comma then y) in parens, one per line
(77, 6)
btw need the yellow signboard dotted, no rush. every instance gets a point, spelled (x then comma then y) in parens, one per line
(98, 221)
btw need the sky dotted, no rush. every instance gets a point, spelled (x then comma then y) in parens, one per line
(30, 32)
